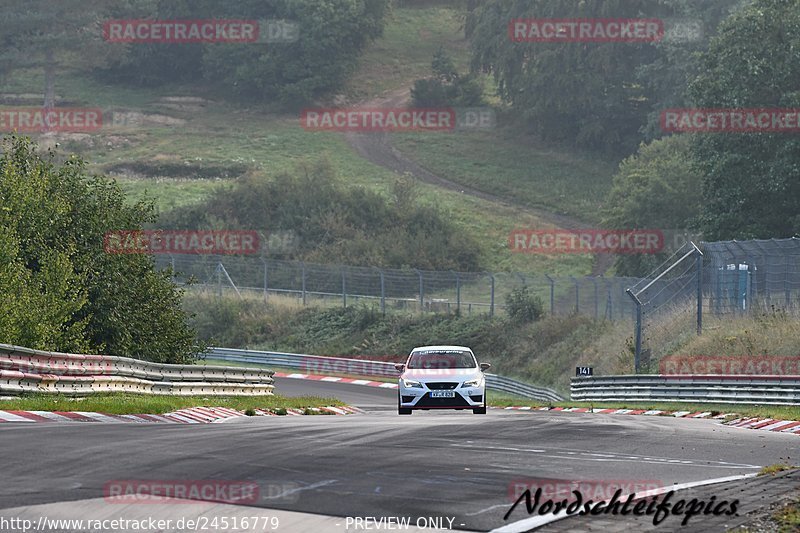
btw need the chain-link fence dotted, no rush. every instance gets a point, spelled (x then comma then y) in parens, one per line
(729, 278)
(399, 289)
(667, 309)
(743, 277)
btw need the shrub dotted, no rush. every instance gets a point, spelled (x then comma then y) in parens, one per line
(522, 306)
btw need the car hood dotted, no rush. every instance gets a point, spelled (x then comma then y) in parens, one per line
(437, 374)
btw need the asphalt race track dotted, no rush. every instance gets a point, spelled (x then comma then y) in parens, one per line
(452, 465)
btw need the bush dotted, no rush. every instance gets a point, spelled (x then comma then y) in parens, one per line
(334, 223)
(447, 87)
(522, 306)
(60, 290)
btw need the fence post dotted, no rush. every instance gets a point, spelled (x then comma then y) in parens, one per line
(383, 292)
(596, 298)
(699, 263)
(303, 276)
(219, 279)
(577, 295)
(344, 287)
(638, 331)
(421, 292)
(491, 304)
(786, 284)
(458, 293)
(266, 280)
(552, 294)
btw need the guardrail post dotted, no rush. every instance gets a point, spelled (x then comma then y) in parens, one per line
(552, 294)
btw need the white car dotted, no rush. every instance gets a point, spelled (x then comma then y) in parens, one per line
(441, 377)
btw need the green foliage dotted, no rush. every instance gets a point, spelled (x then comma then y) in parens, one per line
(523, 306)
(751, 187)
(332, 34)
(447, 87)
(593, 95)
(333, 223)
(656, 188)
(61, 290)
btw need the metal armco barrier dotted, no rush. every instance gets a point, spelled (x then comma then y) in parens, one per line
(770, 390)
(315, 364)
(26, 370)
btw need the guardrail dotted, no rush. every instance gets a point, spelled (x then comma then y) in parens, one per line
(771, 390)
(27, 370)
(316, 364)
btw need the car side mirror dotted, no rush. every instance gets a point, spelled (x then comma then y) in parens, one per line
(400, 367)
(485, 366)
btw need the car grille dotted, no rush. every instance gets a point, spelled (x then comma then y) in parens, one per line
(427, 401)
(441, 385)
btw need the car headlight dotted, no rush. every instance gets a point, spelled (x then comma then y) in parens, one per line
(473, 382)
(411, 384)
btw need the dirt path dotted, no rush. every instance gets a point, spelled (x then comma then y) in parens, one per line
(377, 148)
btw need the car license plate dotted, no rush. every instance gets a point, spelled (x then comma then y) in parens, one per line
(443, 394)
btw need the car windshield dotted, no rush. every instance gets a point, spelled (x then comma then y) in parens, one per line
(441, 359)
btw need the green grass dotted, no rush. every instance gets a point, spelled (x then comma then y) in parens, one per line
(405, 51)
(511, 166)
(788, 518)
(124, 404)
(771, 470)
(778, 412)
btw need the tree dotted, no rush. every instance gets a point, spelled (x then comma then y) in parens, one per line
(656, 188)
(446, 87)
(61, 290)
(53, 35)
(584, 94)
(595, 95)
(331, 35)
(751, 187)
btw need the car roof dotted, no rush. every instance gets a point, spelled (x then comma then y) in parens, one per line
(432, 348)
